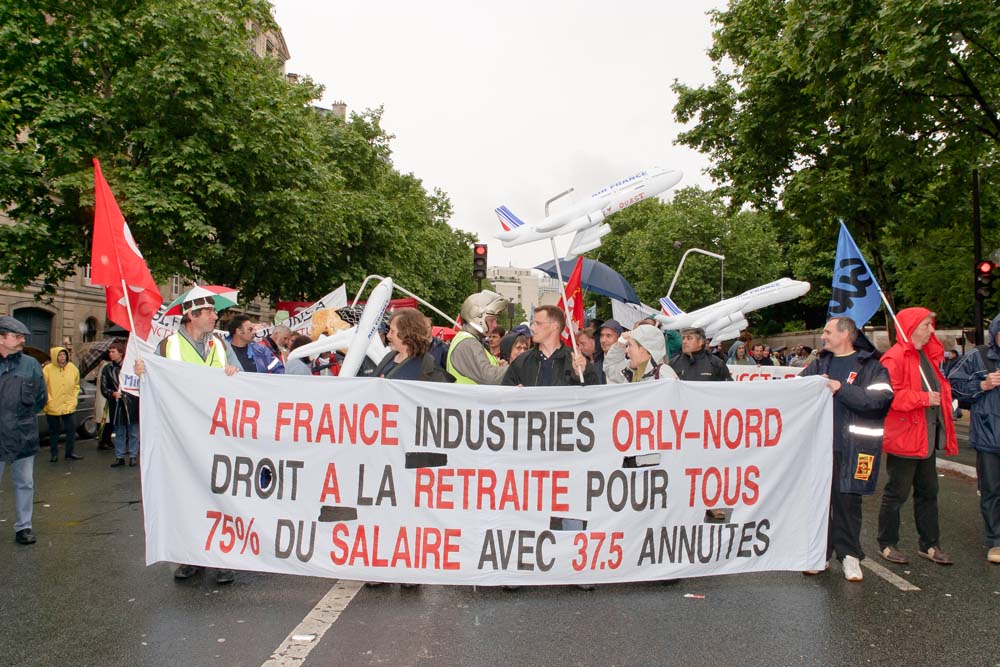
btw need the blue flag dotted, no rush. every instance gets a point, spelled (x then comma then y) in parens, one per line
(856, 293)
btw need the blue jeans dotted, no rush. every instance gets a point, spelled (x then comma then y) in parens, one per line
(126, 434)
(22, 473)
(58, 424)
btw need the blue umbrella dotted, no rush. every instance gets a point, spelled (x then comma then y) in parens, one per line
(595, 277)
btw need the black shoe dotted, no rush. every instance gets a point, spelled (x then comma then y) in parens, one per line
(53, 459)
(24, 536)
(74, 457)
(185, 571)
(131, 462)
(105, 446)
(225, 576)
(118, 463)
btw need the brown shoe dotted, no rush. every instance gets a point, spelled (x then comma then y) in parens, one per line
(935, 554)
(894, 555)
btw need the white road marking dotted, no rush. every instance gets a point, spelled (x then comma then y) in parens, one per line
(293, 651)
(889, 575)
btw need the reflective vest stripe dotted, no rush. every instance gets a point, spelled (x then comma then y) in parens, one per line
(864, 430)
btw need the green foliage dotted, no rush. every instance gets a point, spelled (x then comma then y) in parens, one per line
(224, 169)
(649, 239)
(874, 112)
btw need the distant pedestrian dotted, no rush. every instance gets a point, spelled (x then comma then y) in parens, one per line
(22, 395)
(977, 379)
(62, 380)
(918, 424)
(123, 408)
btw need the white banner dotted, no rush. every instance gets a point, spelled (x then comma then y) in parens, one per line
(389, 480)
(755, 372)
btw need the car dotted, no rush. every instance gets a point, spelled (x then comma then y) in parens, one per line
(86, 423)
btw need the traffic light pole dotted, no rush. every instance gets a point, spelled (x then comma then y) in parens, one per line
(977, 251)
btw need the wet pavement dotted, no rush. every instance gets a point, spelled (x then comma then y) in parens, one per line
(83, 596)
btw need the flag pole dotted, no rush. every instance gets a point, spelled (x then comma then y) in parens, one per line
(562, 291)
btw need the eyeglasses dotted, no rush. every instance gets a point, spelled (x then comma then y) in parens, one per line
(536, 323)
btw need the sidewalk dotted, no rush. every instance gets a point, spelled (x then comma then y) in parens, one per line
(964, 462)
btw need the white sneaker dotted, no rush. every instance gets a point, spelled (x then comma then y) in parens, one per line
(852, 569)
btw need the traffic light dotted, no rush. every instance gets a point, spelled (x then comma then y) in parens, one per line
(479, 261)
(986, 273)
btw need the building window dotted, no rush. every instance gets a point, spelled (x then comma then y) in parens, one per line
(90, 330)
(86, 276)
(175, 285)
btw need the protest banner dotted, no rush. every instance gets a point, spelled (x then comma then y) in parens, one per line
(389, 480)
(742, 373)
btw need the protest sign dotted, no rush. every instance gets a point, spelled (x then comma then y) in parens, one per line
(753, 373)
(390, 480)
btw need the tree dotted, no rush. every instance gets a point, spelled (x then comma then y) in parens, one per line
(649, 239)
(223, 168)
(870, 112)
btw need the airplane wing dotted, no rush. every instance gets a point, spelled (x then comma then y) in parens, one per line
(587, 239)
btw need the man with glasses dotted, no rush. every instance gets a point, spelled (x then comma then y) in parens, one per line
(22, 395)
(253, 357)
(196, 343)
(549, 363)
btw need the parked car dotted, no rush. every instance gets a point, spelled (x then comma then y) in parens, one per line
(86, 423)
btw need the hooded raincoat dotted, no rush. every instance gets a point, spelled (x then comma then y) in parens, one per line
(63, 384)
(906, 423)
(966, 379)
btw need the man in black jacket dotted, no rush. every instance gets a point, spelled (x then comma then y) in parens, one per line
(549, 363)
(862, 394)
(695, 362)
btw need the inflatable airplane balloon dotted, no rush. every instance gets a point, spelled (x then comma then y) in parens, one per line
(726, 319)
(360, 340)
(585, 218)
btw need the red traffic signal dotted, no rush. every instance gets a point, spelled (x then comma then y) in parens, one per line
(479, 261)
(985, 272)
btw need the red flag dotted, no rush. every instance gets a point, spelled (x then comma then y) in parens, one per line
(574, 302)
(114, 257)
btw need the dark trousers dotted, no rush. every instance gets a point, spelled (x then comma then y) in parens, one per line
(921, 476)
(60, 424)
(844, 533)
(988, 472)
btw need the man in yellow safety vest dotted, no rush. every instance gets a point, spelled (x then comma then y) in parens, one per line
(468, 361)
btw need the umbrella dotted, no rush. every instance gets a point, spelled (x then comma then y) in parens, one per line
(224, 297)
(596, 277)
(94, 354)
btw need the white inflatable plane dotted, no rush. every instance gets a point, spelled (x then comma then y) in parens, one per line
(586, 217)
(726, 319)
(360, 340)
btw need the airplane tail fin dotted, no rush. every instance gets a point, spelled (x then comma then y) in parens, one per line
(507, 218)
(669, 307)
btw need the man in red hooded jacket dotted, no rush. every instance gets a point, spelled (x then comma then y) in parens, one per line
(919, 422)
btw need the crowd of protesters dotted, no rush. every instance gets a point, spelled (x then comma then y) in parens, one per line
(897, 403)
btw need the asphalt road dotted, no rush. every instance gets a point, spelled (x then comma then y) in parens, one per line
(83, 596)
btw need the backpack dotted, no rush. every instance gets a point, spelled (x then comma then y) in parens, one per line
(991, 367)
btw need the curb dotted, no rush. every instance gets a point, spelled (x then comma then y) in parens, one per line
(960, 468)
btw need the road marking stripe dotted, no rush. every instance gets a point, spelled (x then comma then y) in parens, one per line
(293, 652)
(888, 575)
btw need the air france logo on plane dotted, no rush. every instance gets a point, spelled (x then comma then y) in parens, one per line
(617, 184)
(507, 218)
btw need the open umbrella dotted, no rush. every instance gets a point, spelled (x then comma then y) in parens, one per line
(95, 352)
(224, 297)
(595, 277)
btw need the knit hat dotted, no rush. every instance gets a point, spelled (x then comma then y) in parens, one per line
(651, 339)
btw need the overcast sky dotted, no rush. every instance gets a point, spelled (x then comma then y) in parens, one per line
(511, 103)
